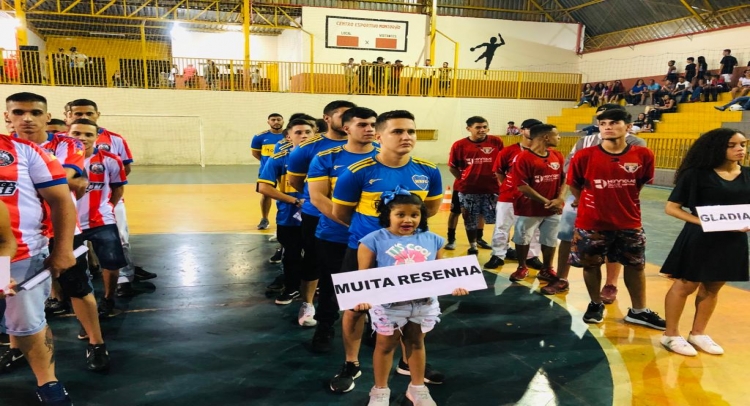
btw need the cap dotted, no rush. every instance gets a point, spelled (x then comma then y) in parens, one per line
(609, 106)
(530, 122)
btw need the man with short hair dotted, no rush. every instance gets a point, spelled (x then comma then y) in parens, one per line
(262, 146)
(470, 162)
(356, 192)
(727, 64)
(607, 180)
(29, 173)
(56, 125)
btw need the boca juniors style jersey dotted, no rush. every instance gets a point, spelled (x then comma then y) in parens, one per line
(504, 164)
(364, 181)
(25, 168)
(327, 166)
(299, 163)
(475, 159)
(543, 174)
(105, 171)
(265, 143)
(610, 186)
(275, 174)
(115, 144)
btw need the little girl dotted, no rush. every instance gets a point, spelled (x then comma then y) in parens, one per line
(403, 240)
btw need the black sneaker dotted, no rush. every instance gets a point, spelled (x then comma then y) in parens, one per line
(494, 262)
(263, 225)
(646, 318)
(473, 251)
(10, 360)
(95, 270)
(106, 308)
(82, 334)
(4, 339)
(54, 307)
(143, 275)
(322, 341)
(276, 258)
(53, 394)
(431, 376)
(594, 314)
(277, 285)
(511, 255)
(344, 381)
(534, 263)
(287, 297)
(97, 357)
(483, 244)
(125, 290)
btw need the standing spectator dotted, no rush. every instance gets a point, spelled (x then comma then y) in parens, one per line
(349, 75)
(188, 74)
(118, 81)
(425, 74)
(211, 73)
(395, 82)
(363, 74)
(172, 78)
(690, 70)
(637, 94)
(702, 68)
(2, 63)
(78, 62)
(512, 129)
(728, 62)
(743, 85)
(255, 80)
(671, 72)
(378, 75)
(445, 79)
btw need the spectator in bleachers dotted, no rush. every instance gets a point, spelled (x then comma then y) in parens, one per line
(118, 81)
(642, 124)
(727, 64)
(637, 94)
(589, 130)
(723, 86)
(189, 75)
(255, 80)
(349, 75)
(363, 76)
(690, 70)
(743, 85)
(378, 74)
(695, 94)
(743, 101)
(172, 78)
(653, 90)
(671, 72)
(702, 72)
(711, 88)
(598, 90)
(587, 95)
(664, 105)
(445, 74)
(395, 83)
(616, 92)
(604, 93)
(211, 74)
(681, 90)
(512, 129)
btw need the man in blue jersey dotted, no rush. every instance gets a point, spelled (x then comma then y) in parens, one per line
(262, 146)
(288, 204)
(332, 235)
(354, 201)
(298, 165)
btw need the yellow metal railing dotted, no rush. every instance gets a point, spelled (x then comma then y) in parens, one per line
(32, 67)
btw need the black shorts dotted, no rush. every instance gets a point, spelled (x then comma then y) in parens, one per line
(75, 282)
(107, 246)
(309, 244)
(455, 203)
(350, 260)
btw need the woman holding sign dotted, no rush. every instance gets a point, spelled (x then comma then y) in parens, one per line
(403, 240)
(710, 175)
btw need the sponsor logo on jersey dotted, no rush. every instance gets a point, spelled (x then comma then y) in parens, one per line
(371, 181)
(335, 167)
(7, 188)
(6, 158)
(95, 186)
(421, 181)
(630, 167)
(104, 147)
(554, 165)
(613, 183)
(96, 168)
(487, 150)
(546, 178)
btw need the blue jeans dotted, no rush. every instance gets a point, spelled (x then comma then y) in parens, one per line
(744, 100)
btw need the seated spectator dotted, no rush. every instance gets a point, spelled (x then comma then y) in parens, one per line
(616, 92)
(690, 70)
(587, 95)
(695, 95)
(666, 88)
(591, 129)
(604, 92)
(637, 94)
(671, 72)
(744, 101)
(664, 105)
(118, 81)
(597, 94)
(722, 85)
(681, 90)
(512, 129)
(743, 85)
(642, 124)
(711, 87)
(653, 90)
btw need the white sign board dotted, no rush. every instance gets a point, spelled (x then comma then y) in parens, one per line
(365, 33)
(724, 218)
(408, 282)
(4, 272)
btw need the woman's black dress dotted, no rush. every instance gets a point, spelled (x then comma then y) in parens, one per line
(709, 257)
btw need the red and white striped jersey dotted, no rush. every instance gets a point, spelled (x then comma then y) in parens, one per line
(105, 172)
(114, 143)
(70, 153)
(25, 168)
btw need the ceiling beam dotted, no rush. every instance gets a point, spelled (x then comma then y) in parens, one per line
(695, 13)
(70, 7)
(542, 10)
(106, 6)
(35, 5)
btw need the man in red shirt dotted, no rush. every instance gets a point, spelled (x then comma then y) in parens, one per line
(606, 181)
(470, 161)
(539, 177)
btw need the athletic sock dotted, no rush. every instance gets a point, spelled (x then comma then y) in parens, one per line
(638, 311)
(473, 245)
(480, 234)
(451, 234)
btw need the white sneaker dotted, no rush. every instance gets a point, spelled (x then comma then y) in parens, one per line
(420, 396)
(678, 345)
(705, 344)
(380, 397)
(273, 238)
(306, 315)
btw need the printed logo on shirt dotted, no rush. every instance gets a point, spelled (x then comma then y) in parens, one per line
(371, 181)
(95, 186)
(487, 150)
(51, 152)
(7, 188)
(104, 147)
(422, 181)
(408, 254)
(6, 158)
(613, 183)
(630, 167)
(335, 167)
(478, 161)
(96, 168)
(546, 178)
(554, 165)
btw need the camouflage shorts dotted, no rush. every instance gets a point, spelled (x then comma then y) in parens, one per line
(475, 206)
(589, 248)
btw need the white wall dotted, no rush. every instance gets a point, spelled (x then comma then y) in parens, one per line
(223, 45)
(289, 45)
(229, 119)
(651, 58)
(7, 31)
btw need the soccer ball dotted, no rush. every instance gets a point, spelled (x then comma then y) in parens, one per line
(736, 107)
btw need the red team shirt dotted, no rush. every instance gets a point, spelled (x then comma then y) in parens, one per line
(504, 164)
(24, 168)
(475, 160)
(610, 186)
(105, 171)
(543, 174)
(70, 153)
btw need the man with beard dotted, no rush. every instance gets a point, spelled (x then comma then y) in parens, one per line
(262, 146)
(297, 168)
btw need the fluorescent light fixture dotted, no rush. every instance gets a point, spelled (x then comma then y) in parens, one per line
(107, 34)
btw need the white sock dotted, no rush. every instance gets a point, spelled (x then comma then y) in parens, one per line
(416, 386)
(638, 311)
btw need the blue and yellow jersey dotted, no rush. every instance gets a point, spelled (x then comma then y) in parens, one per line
(274, 174)
(265, 142)
(300, 159)
(327, 166)
(282, 145)
(362, 184)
